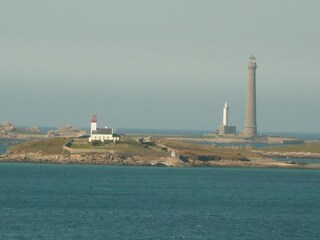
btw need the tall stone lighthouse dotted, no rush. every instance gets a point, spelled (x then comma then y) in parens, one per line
(250, 128)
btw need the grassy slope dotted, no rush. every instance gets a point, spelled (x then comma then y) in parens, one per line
(46, 146)
(192, 149)
(307, 147)
(55, 146)
(126, 149)
(135, 149)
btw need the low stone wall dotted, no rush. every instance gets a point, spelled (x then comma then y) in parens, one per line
(81, 150)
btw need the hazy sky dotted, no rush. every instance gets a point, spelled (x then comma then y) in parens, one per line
(159, 64)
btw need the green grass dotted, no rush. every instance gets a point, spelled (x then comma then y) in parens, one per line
(124, 149)
(46, 146)
(307, 147)
(55, 146)
(193, 149)
(135, 149)
(86, 146)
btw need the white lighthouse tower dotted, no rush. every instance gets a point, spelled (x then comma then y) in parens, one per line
(225, 115)
(93, 124)
(225, 128)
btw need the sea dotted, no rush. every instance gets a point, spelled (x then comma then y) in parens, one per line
(43, 201)
(57, 201)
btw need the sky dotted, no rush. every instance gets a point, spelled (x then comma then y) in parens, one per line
(159, 64)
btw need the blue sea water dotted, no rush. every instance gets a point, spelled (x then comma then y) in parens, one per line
(191, 132)
(235, 144)
(300, 160)
(41, 201)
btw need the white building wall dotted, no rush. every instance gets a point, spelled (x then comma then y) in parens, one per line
(93, 126)
(103, 137)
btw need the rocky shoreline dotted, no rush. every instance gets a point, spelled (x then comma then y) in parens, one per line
(291, 155)
(110, 159)
(89, 158)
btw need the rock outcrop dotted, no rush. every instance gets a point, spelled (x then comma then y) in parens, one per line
(66, 131)
(92, 158)
(33, 129)
(7, 129)
(113, 159)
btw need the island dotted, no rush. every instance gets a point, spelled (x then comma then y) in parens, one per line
(156, 151)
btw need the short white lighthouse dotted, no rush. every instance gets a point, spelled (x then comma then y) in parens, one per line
(93, 124)
(101, 134)
(225, 128)
(226, 114)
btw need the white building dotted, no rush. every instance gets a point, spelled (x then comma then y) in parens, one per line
(101, 134)
(225, 128)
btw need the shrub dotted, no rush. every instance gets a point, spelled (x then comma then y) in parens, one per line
(96, 143)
